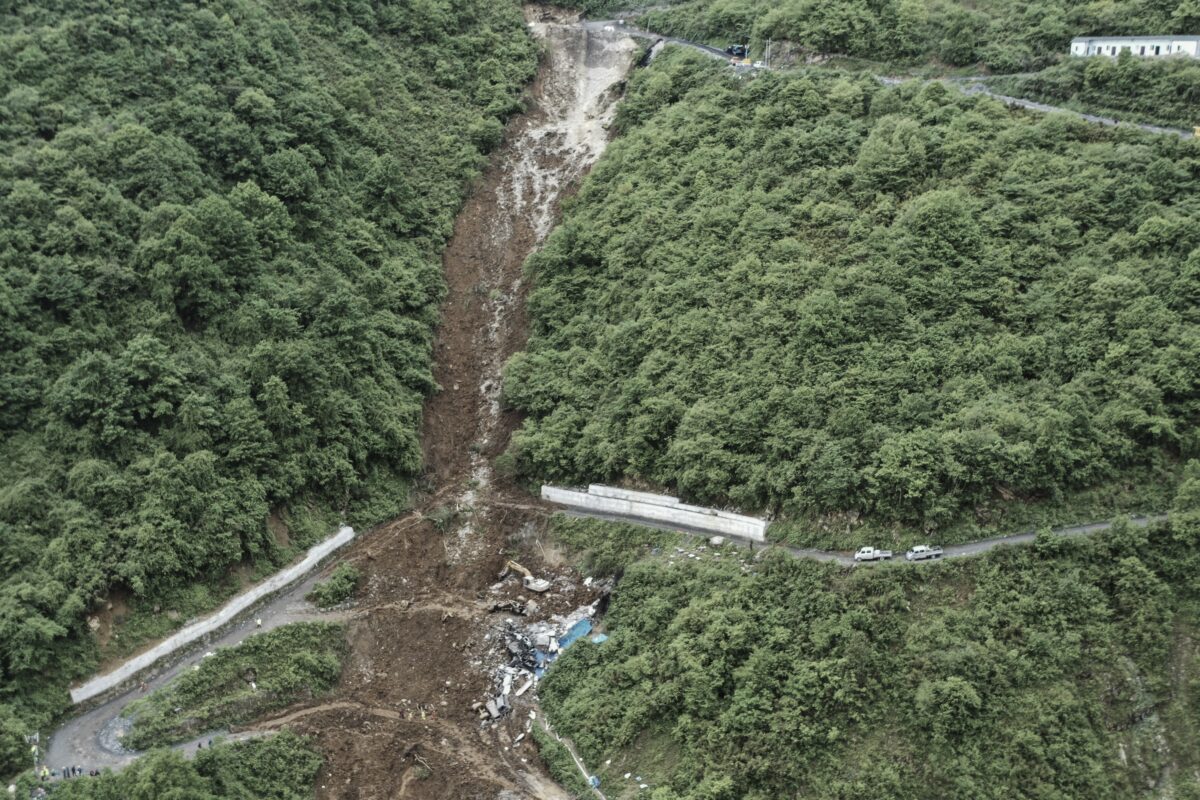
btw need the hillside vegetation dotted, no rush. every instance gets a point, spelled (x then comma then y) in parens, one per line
(821, 297)
(1064, 669)
(219, 270)
(1003, 35)
(1158, 92)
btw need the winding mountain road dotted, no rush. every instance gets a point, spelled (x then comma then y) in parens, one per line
(968, 86)
(613, 25)
(974, 548)
(92, 740)
(976, 86)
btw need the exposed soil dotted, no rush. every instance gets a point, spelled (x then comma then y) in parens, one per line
(105, 620)
(423, 642)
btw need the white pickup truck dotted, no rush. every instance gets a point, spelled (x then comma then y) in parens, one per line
(872, 554)
(923, 551)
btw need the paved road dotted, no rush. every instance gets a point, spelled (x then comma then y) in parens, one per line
(660, 40)
(92, 740)
(846, 559)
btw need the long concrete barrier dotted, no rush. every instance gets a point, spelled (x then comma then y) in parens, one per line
(659, 508)
(197, 630)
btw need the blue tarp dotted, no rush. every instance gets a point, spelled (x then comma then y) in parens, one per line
(577, 631)
(600, 638)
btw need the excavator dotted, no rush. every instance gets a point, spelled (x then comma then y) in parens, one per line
(528, 581)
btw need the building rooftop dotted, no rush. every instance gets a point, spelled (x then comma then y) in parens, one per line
(1160, 36)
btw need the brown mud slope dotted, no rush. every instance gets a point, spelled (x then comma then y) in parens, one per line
(423, 644)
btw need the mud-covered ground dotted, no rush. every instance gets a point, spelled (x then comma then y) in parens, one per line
(424, 643)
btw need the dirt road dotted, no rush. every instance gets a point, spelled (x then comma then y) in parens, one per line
(400, 724)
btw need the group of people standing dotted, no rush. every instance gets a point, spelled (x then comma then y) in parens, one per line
(45, 773)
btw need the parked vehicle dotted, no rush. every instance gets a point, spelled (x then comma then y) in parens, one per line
(872, 554)
(738, 50)
(922, 552)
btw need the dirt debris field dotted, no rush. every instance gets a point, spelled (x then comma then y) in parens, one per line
(425, 644)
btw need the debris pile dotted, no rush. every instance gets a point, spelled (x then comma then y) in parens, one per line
(529, 649)
(519, 606)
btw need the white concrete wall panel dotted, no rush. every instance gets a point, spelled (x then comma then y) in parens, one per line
(659, 508)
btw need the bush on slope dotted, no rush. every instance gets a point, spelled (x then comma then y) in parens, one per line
(1157, 92)
(1003, 35)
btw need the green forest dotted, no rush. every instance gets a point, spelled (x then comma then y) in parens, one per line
(219, 271)
(1001, 35)
(1065, 669)
(1157, 92)
(835, 301)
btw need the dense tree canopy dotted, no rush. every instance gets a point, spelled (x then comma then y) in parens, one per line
(819, 296)
(218, 277)
(1004, 35)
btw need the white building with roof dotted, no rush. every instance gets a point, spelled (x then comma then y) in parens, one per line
(1139, 46)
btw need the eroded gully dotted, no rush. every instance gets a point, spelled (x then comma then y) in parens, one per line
(400, 724)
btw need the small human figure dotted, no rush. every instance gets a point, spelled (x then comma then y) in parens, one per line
(258, 622)
(200, 745)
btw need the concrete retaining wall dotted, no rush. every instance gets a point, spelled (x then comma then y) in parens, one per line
(659, 508)
(102, 683)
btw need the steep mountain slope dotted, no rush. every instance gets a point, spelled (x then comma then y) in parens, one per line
(1158, 92)
(847, 303)
(219, 273)
(1064, 669)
